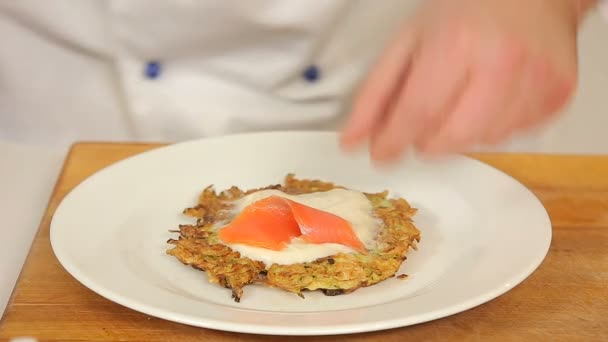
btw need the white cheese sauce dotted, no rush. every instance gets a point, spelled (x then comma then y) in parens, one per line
(350, 205)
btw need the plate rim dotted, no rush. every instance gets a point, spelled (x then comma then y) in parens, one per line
(346, 328)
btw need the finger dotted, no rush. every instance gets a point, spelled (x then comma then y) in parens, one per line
(433, 85)
(377, 90)
(541, 94)
(516, 111)
(550, 92)
(490, 89)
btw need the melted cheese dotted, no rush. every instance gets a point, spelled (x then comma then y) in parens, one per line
(352, 206)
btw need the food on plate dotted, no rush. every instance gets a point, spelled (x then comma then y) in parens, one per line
(275, 221)
(303, 235)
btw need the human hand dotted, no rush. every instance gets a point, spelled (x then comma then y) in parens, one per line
(467, 72)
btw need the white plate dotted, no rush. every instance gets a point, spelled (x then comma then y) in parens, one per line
(482, 234)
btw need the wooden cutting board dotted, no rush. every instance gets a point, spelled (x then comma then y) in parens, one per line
(566, 299)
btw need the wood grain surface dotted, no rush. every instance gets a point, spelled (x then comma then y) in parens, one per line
(566, 299)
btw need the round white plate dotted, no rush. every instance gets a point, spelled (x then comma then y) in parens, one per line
(482, 234)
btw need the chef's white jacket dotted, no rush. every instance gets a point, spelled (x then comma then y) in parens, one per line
(171, 70)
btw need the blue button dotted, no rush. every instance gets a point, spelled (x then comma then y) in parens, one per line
(312, 73)
(153, 69)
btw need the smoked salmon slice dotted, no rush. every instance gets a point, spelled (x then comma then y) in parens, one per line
(318, 226)
(273, 221)
(267, 223)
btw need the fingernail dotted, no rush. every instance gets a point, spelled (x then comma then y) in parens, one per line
(385, 164)
(382, 158)
(347, 145)
(431, 149)
(350, 140)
